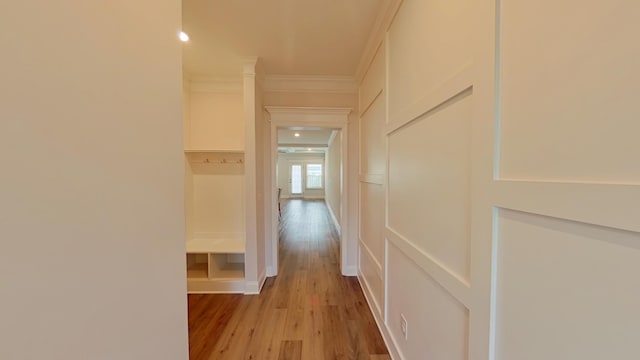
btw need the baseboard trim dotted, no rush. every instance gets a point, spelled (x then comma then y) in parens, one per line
(394, 353)
(350, 270)
(335, 222)
(254, 287)
(271, 271)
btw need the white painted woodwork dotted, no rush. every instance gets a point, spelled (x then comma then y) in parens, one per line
(374, 81)
(255, 263)
(92, 262)
(419, 64)
(372, 139)
(333, 179)
(372, 253)
(565, 290)
(437, 323)
(320, 117)
(310, 84)
(222, 245)
(430, 204)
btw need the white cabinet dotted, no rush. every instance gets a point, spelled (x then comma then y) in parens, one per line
(215, 219)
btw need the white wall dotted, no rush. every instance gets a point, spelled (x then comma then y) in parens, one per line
(91, 209)
(372, 185)
(509, 231)
(216, 120)
(284, 173)
(333, 178)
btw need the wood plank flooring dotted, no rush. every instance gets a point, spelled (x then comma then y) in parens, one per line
(309, 311)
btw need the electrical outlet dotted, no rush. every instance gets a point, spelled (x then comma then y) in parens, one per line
(403, 326)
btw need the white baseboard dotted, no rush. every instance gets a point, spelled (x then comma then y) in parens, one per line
(335, 222)
(393, 348)
(254, 287)
(271, 271)
(350, 270)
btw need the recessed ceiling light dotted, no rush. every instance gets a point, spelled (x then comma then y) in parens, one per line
(296, 134)
(309, 149)
(183, 36)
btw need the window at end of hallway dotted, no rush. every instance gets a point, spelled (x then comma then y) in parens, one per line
(314, 176)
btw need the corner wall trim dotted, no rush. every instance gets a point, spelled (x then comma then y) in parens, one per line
(382, 326)
(333, 217)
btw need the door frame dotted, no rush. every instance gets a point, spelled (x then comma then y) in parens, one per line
(309, 117)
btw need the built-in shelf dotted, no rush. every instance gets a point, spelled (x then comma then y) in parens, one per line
(215, 246)
(198, 271)
(215, 265)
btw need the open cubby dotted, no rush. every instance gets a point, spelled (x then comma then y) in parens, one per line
(214, 198)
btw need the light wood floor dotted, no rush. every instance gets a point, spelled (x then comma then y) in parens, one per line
(309, 311)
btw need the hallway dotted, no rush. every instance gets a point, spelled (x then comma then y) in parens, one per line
(309, 311)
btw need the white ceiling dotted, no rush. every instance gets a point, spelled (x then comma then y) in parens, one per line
(291, 37)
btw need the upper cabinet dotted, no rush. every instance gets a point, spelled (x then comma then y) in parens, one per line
(215, 119)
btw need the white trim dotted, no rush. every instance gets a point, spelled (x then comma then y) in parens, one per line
(311, 84)
(254, 287)
(392, 347)
(376, 179)
(333, 217)
(350, 270)
(319, 117)
(459, 84)
(381, 25)
(331, 138)
(271, 272)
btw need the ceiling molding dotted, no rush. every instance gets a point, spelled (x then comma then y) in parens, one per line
(215, 85)
(381, 26)
(310, 84)
(328, 117)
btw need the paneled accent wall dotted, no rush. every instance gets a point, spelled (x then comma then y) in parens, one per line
(499, 185)
(372, 185)
(567, 239)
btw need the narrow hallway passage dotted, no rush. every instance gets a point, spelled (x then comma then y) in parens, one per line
(309, 311)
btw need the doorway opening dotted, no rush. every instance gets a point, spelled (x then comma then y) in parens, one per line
(309, 163)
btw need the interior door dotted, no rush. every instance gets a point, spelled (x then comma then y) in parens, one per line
(296, 179)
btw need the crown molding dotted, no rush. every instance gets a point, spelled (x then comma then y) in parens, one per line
(381, 26)
(310, 84)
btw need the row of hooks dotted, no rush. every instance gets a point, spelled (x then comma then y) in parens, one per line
(222, 161)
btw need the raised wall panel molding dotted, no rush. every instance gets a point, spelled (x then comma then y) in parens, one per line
(371, 255)
(310, 84)
(588, 203)
(459, 84)
(376, 179)
(392, 346)
(381, 25)
(457, 286)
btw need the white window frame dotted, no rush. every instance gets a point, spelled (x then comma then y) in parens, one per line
(306, 175)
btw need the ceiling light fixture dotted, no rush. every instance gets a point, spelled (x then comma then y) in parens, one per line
(183, 36)
(296, 134)
(309, 149)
